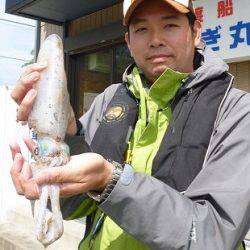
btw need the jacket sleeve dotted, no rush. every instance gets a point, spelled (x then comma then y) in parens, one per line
(214, 213)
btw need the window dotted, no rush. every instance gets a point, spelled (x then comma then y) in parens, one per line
(122, 60)
(96, 71)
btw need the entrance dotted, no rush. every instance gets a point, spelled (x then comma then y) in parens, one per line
(95, 71)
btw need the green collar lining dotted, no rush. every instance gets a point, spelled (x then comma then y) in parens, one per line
(162, 91)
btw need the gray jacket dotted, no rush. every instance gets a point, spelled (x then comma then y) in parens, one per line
(171, 220)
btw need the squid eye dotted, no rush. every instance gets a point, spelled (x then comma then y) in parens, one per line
(36, 151)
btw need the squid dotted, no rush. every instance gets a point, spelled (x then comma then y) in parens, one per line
(48, 119)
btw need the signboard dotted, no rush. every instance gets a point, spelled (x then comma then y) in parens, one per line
(226, 27)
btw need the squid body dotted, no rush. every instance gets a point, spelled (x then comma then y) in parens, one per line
(49, 120)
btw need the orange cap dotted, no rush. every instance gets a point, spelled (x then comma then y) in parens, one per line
(183, 6)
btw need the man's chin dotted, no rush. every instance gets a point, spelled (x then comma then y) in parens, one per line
(154, 72)
(159, 70)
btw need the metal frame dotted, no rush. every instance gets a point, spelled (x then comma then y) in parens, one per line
(73, 81)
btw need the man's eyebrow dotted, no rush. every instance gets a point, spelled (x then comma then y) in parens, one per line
(138, 20)
(169, 17)
(144, 20)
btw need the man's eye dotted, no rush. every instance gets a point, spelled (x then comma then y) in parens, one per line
(171, 25)
(140, 30)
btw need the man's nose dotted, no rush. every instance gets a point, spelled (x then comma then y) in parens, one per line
(156, 40)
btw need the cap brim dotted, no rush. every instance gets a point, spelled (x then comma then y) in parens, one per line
(177, 6)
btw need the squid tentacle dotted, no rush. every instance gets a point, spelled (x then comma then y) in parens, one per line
(51, 229)
(56, 154)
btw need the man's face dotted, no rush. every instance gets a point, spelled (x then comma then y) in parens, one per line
(161, 38)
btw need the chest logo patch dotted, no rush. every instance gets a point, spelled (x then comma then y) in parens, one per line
(115, 113)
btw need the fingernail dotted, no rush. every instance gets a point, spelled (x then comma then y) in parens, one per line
(33, 76)
(18, 156)
(31, 93)
(42, 64)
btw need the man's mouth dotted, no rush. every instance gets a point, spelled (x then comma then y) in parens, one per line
(159, 58)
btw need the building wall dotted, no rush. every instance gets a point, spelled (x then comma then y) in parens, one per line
(95, 20)
(240, 70)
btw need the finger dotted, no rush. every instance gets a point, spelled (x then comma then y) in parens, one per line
(31, 145)
(17, 164)
(71, 189)
(23, 86)
(80, 169)
(29, 186)
(14, 148)
(26, 105)
(30, 189)
(30, 76)
(35, 67)
(52, 175)
(69, 173)
(15, 172)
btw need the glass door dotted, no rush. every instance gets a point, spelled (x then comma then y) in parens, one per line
(96, 71)
(94, 75)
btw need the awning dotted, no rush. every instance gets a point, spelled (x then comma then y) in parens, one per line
(56, 11)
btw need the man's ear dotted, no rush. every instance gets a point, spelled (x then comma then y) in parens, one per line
(197, 33)
(128, 43)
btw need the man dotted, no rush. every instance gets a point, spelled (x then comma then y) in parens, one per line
(177, 134)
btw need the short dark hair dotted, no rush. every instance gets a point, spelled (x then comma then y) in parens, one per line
(191, 19)
(190, 16)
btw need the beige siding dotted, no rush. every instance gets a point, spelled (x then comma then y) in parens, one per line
(241, 71)
(95, 20)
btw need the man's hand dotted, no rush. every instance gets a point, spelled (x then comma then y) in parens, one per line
(83, 173)
(24, 95)
(21, 173)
